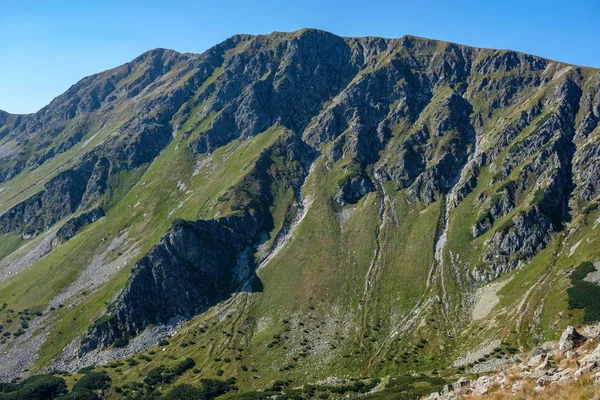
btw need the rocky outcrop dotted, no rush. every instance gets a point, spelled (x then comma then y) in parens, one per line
(518, 240)
(542, 188)
(435, 120)
(484, 223)
(412, 115)
(68, 118)
(288, 86)
(139, 140)
(60, 197)
(197, 264)
(565, 362)
(408, 163)
(82, 185)
(194, 266)
(587, 170)
(570, 339)
(430, 161)
(74, 225)
(352, 190)
(590, 107)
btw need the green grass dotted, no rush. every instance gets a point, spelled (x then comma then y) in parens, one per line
(280, 210)
(144, 201)
(291, 290)
(302, 287)
(352, 170)
(484, 215)
(506, 225)
(585, 295)
(537, 197)
(590, 208)
(8, 243)
(408, 387)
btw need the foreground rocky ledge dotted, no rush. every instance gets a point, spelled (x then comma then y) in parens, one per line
(565, 369)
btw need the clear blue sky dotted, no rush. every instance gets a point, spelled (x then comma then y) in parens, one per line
(46, 46)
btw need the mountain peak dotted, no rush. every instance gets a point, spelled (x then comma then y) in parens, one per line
(158, 52)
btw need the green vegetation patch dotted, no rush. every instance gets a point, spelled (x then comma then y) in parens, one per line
(537, 197)
(409, 387)
(353, 169)
(506, 225)
(590, 208)
(88, 385)
(584, 295)
(9, 243)
(209, 389)
(39, 387)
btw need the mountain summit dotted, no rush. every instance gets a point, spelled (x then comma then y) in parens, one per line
(301, 206)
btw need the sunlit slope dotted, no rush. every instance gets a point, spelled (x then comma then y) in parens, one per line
(378, 186)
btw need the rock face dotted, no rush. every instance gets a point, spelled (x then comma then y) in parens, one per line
(63, 123)
(136, 143)
(591, 360)
(287, 86)
(352, 190)
(290, 79)
(518, 240)
(197, 264)
(483, 225)
(193, 266)
(74, 225)
(60, 197)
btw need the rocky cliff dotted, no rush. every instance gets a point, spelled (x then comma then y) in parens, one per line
(197, 264)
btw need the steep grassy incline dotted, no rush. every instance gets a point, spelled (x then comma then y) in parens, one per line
(297, 206)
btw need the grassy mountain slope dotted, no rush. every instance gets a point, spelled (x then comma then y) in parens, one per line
(394, 178)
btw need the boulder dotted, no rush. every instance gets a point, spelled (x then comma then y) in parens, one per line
(535, 360)
(591, 360)
(546, 379)
(591, 331)
(571, 354)
(547, 363)
(517, 386)
(480, 386)
(448, 388)
(461, 383)
(570, 339)
(582, 370)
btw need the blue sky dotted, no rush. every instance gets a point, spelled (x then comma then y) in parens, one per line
(46, 46)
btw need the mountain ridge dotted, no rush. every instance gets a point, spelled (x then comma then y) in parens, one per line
(276, 33)
(416, 171)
